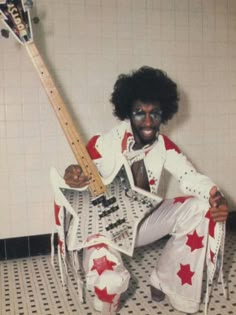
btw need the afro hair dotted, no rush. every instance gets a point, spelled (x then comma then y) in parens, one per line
(147, 85)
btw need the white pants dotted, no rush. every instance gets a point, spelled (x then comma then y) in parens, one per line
(179, 271)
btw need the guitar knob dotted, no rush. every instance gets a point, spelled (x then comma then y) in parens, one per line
(28, 4)
(36, 20)
(5, 33)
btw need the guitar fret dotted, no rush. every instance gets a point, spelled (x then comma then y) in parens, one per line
(96, 186)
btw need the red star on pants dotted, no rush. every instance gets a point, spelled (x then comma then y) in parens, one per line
(194, 241)
(91, 237)
(101, 264)
(98, 246)
(103, 295)
(181, 199)
(185, 274)
(212, 224)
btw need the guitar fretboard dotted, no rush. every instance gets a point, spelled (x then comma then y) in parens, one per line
(96, 186)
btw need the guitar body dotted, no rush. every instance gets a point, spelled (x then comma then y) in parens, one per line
(114, 216)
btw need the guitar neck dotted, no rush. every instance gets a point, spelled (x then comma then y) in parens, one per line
(74, 139)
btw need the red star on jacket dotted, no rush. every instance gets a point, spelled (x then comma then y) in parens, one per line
(212, 224)
(152, 181)
(181, 199)
(185, 274)
(194, 241)
(124, 141)
(101, 264)
(104, 296)
(56, 213)
(91, 148)
(170, 145)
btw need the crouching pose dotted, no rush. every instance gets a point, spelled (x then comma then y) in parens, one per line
(143, 100)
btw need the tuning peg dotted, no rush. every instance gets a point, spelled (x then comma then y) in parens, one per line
(36, 20)
(29, 4)
(5, 33)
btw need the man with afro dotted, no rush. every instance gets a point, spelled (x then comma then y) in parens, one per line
(142, 101)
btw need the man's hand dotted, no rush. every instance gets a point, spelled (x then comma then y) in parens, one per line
(75, 178)
(219, 206)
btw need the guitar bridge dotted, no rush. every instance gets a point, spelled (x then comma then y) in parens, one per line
(111, 226)
(121, 234)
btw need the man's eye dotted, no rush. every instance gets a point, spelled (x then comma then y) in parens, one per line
(156, 115)
(139, 115)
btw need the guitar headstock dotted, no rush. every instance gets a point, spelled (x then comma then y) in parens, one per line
(15, 15)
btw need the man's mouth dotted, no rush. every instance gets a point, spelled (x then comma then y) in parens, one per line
(147, 133)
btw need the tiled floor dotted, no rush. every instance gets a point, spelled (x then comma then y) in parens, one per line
(32, 286)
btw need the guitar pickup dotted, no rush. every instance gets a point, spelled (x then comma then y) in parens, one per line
(104, 201)
(115, 224)
(98, 200)
(108, 202)
(108, 212)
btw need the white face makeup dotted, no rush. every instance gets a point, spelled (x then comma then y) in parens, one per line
(145, 122)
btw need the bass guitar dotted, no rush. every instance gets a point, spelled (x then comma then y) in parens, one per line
(111, 211)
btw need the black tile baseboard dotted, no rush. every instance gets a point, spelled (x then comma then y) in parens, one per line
(17, 247)
(2, 249)
(231, 221)
(35, 245)
(20, 247)
(40, 245)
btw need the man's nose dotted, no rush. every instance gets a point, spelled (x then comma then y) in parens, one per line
(147, 120)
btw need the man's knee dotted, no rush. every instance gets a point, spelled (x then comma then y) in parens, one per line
(108, 288)
(202, 206)
(100, 262)
(114, 281)
(106, 276)
(192, 213)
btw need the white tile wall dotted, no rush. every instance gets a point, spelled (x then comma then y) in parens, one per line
(86, 44)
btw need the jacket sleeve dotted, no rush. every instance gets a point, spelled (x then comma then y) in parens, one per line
(191, 182)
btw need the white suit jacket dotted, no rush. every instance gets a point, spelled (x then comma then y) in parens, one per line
(108, 151)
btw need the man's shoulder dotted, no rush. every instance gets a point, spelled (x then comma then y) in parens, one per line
(169, 144)
(107, 139)
(92, 147)
(116, 133)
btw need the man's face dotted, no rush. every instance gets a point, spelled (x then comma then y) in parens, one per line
(145, 121)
